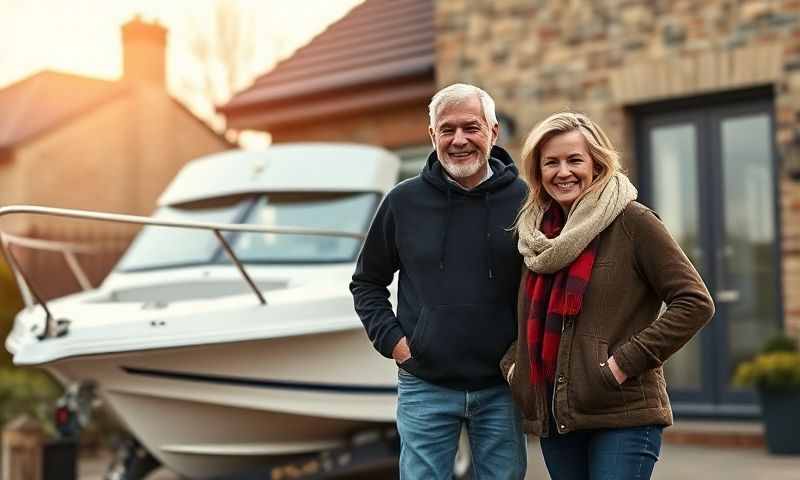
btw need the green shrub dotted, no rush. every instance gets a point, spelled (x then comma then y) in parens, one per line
(22, 390)
(27, 391)
(776, 368)
(10, 304)
(780, 343)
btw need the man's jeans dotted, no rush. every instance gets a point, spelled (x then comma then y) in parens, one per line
(603, 454)
(429, 419)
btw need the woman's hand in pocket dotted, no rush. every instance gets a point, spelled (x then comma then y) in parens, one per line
(619, 375)
(510, 374)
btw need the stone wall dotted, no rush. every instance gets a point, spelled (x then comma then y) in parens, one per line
(604, 57)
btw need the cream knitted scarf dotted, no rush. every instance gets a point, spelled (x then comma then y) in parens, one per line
(589, 216)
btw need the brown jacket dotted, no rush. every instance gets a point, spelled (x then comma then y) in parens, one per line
(638, 265)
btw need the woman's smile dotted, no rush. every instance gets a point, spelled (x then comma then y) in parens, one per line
(567, 167)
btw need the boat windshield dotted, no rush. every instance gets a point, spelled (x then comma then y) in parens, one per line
(164, 247)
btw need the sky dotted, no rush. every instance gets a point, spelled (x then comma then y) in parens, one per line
(83, 36)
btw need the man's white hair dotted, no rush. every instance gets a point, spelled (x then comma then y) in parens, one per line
(457, 93)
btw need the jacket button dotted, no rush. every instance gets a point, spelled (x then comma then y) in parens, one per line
(562, 379)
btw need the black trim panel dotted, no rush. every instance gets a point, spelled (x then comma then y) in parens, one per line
(254, 382)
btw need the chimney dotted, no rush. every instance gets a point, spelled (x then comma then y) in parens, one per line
(144, 52)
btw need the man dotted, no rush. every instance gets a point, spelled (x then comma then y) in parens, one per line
(447, 232)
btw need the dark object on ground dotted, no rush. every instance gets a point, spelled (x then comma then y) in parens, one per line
(781, 420)
(60, 459)
(131, 462)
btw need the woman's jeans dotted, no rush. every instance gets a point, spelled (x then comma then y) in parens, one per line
(429, 419)
(603, 454)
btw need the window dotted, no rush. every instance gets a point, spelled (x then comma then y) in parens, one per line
(164, 247)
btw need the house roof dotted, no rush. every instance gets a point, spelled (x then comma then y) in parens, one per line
(47, 99)
(381, 52)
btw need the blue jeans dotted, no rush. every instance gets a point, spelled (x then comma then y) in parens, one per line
(429, 419)
(603, 454)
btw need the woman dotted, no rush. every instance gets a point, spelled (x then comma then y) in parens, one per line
(586, 369)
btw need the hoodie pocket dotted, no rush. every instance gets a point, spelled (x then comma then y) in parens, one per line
(418, 333)
(464, 340)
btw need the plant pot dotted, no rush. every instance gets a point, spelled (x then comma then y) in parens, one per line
(781, 413)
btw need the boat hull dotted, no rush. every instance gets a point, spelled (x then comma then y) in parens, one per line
(205, 411)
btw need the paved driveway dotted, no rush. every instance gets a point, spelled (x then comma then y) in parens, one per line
(678, 462)
(682, 462)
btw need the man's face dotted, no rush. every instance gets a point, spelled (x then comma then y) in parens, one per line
(463, 140)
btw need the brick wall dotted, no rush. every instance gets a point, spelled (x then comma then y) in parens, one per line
(117, 158)
(602, 57)
(394, 127)
(790, 224)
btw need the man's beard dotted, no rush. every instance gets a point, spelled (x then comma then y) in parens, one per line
(463, 170)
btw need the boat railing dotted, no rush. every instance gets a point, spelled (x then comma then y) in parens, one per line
(69, 249)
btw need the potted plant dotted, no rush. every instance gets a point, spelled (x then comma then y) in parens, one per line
(775, 373)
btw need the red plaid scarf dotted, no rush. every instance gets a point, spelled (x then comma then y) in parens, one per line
(553, 298)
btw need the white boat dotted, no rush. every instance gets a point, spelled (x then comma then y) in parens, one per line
(217, 364)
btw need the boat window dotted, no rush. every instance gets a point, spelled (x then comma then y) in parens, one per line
(329, 211)
(164, 247)
(160, 247)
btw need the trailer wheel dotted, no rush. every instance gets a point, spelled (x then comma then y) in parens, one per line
(462, 469)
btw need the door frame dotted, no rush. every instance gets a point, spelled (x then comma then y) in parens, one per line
(705, 113)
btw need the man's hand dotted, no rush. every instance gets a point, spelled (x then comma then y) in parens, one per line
(401, 352)
(619, 375)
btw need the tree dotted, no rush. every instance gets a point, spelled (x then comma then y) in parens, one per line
(224, 49)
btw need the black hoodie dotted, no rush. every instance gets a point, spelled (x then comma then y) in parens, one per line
(459, 274)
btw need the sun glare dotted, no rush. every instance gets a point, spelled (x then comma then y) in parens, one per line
(83, 37)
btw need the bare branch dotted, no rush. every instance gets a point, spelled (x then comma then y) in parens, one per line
(225, 50)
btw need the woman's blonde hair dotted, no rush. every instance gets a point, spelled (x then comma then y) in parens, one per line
(604, 156)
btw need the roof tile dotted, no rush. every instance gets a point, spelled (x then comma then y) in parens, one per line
(377, 41)
(45, 100)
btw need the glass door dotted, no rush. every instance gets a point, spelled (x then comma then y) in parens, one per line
(709, 174)
(747, 251)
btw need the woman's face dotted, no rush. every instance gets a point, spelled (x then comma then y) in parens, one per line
(567, 168)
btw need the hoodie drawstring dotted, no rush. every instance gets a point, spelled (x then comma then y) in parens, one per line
(446, 229)
(489, 236)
